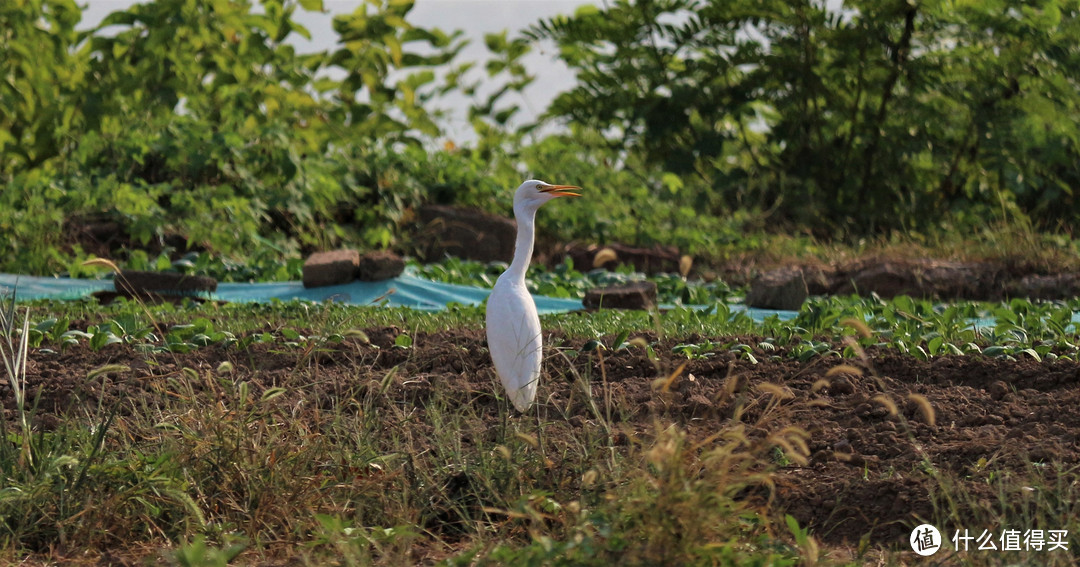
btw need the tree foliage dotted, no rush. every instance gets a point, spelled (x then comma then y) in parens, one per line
(189, 116)
(872, 115)
(40, 75)
(691, 121)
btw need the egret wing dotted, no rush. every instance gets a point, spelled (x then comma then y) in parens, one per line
(513, 333)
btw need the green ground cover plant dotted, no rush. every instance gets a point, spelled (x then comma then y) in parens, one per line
(921, 328)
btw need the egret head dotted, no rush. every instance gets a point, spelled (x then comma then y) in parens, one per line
(533, 193)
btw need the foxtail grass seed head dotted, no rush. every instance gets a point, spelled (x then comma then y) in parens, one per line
(925, 408)
(859, 326)
(661, 453)
(101, 263)
(604, 256)
(357, 334)
(779, 392)
(685, 264)
(528, 439)
(887, 402)
(854, 345)
(271, 393)
(731, 383)
(107, 369)
(844, 369)
(790, 452)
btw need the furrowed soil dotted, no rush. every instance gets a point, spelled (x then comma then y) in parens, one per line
(877, 454)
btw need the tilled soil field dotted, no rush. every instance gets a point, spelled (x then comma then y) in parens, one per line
(868, 473)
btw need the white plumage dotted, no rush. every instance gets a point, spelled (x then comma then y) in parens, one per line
(513, 327)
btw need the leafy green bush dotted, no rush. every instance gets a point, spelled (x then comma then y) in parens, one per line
(196, 121)
(867, 115)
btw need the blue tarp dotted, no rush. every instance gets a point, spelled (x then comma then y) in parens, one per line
(402, 291)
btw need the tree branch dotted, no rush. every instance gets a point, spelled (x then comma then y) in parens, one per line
(900, 56)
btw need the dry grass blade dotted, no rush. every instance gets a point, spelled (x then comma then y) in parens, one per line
(731, 384)
(664, 384)
(388, 379)
(507, 513)
(819, 384)
(23, 352)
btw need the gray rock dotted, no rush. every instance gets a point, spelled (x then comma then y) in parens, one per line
(379, 265)
(155, 285)
(886, 279)
(783, 288)
(465, 233)
(634, 295)
(650, 261)
(1056, 286)
(920, 278)
(331, 268)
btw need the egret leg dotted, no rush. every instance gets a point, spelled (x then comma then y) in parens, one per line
(507, 408)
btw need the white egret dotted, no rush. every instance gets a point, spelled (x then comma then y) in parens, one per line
(513, 327)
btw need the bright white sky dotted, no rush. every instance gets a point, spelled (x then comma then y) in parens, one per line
(474, 17)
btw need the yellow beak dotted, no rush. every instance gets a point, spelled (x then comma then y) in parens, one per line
(562, 190)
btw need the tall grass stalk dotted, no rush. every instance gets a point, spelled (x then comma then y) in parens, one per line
(13, 351)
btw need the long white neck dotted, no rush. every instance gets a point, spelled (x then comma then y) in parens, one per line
(523, 249)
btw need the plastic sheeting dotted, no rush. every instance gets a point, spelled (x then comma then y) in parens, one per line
(402, 291)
